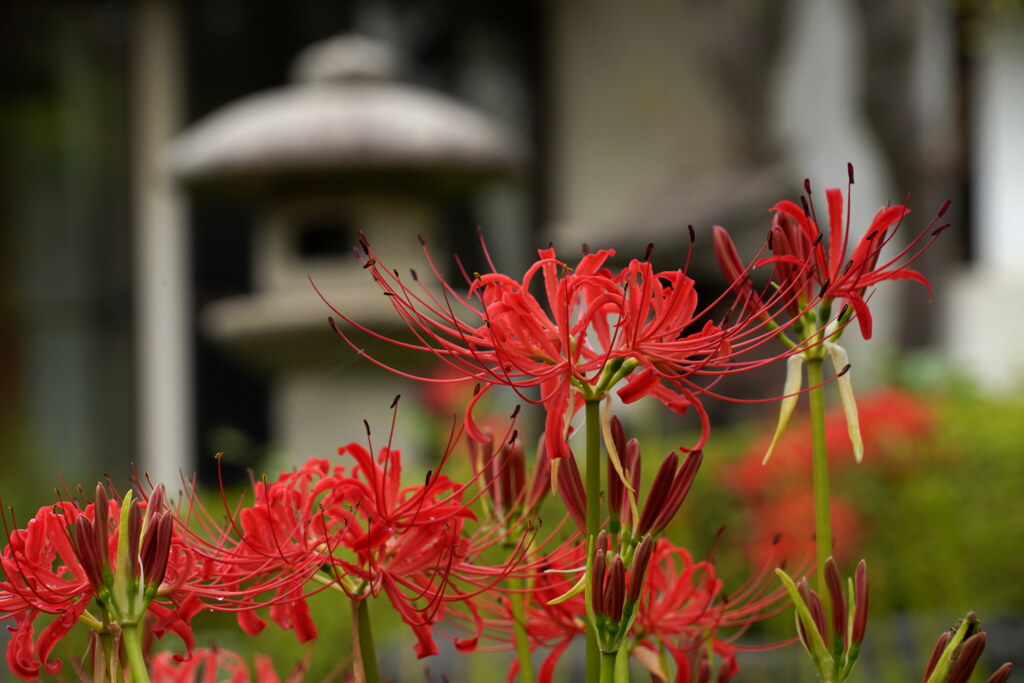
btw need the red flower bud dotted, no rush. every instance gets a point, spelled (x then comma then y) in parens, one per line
(1002, 674)
(860, 602)
(641, 558)
(615, 589)
(835, 593)
(658, 494)
(940, 647)
(970, 653)
(570, 488)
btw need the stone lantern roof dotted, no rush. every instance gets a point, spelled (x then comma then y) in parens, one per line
(344, 122)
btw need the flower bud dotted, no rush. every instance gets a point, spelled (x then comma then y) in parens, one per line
(641, 558)
(970, 653)
(940, 647)
(570, 488)
(658, 493)
(615, 590)
(860, 602)
(1002, 674)
(597, 576)
(838, 600)
(677, 491)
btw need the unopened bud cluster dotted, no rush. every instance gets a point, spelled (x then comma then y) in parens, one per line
(957, 653)
(834, 643)
(614, 595)
(125, 589)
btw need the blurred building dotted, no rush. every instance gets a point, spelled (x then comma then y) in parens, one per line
(641, 122)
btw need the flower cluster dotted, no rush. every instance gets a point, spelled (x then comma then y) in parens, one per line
(466, 558)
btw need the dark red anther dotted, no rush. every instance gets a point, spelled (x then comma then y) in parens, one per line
(693, 233)
(943, 208)
(585, 248)
(423, 242)
(849, 171)
(807, 185)
(412, 273)
(648, 251)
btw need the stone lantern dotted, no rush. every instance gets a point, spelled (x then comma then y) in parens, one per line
(344, 148)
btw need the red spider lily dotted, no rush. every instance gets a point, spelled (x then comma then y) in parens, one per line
(591, 329)
(43, 576)
(217, 665)
(682, 606)
(66, 556)
(362, 533)
(818, 267)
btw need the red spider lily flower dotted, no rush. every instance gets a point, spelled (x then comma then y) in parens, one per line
(680, 604)
(43, 576)
(361, 532)
(217, 665)
(819, 267)
(591, 329)
(684, 603)
(126, 554)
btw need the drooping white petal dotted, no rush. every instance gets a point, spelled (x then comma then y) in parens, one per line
(791, 391)
(840, 359)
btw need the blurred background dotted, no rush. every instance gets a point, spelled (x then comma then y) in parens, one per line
(173, 171)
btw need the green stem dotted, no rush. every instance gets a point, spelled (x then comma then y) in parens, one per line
(593, 491)
(522, 637)
(364, 635)
(822, 499)
(133, 651)
(608, 667)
